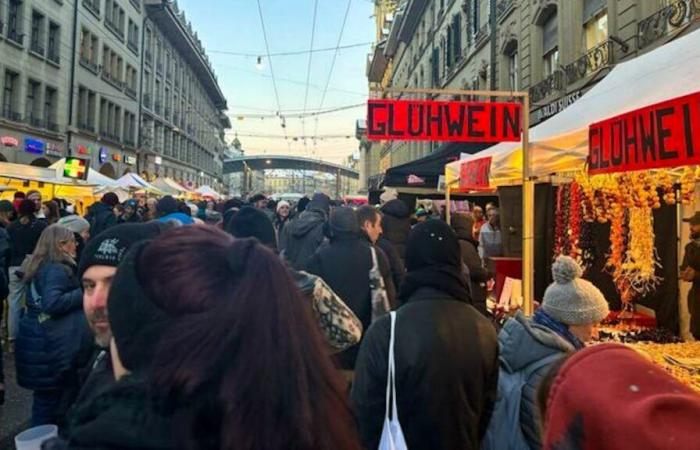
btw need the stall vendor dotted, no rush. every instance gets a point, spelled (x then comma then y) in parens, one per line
(690, 272)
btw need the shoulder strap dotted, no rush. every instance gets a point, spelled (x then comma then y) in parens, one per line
(390, 377)
(537, 365)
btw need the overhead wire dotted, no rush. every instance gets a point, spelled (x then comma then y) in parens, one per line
(290, 53)
(308, 69)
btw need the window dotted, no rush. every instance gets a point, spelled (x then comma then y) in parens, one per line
(550, 44)
(513, 70)
(82, 107)
(14, 21)
(55, 42)
(50, 106)
(457, 36)
(104, 116)
(596, 29)
(9, 97)
(33, 103)
(91, 110)
(37, 33)
(133, 37)
(106, 61)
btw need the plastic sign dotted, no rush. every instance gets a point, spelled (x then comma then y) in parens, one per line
(76, 168)
(418, 120)
(103, 155)
(474, 174)
(414, 179)
(34, 146)
(116, 157)
(130, 160)
(158, 160)
(54, 150)
(666, 134)
(84, 150)
(9, 141)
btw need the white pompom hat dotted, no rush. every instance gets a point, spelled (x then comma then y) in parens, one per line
(572, 300)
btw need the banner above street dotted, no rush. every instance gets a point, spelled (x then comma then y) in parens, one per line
(419, 120)
(666, 134)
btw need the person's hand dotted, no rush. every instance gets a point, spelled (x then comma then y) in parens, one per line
(688, 274)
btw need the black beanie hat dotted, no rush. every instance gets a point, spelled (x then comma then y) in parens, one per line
(253, 222)
(432, 244)
(109, 247)
(136, 322)
(111, 199)
(320, 202)
(166, 205)
(343, 222)
(303, 203)
(26, 208)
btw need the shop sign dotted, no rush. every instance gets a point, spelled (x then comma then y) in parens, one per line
(84, 150)
(666, 134)
(34, 146)
(9, 141)
(417, 120)
(474, 174)
(76, 168)
(103, 155)
(414, 179)
(159, 160)
(557, 106)
(116, 157)
(54, 150)
(130, 160)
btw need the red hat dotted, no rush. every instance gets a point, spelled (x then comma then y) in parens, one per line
(608, 397)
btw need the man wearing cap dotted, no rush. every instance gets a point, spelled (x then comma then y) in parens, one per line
(690, 272)
(92, 370)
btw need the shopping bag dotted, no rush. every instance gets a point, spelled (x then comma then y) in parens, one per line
(392, 434)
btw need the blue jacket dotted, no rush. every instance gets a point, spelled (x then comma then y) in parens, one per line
(51, 329)
(183, 218)
(523, 342)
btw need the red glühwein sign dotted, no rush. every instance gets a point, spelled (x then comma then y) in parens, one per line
(666, 134)
(474, 174)
(419, 120)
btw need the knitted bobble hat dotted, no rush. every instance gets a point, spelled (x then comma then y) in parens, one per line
(572, 300)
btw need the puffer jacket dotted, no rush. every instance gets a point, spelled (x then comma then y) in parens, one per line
(446, 356)
(478, 274)
(101, 216)
(396, 224)
(51, 329)
(522, 343)
(302, 237)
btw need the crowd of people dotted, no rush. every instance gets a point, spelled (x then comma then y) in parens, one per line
(158, 324)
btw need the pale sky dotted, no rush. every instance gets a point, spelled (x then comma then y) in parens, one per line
(235, 26)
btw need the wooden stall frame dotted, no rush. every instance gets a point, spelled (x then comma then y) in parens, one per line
(528, 181)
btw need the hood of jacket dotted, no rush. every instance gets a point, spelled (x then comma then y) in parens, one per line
(100, 207)
(396, 208)
(523, 342)
(307, 221)
(462, 226)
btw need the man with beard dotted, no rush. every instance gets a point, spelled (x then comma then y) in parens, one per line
(93, 368)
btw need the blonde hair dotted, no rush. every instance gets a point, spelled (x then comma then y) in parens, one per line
(48, 249)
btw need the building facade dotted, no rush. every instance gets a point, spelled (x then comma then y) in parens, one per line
(124, 83)
(554, 49)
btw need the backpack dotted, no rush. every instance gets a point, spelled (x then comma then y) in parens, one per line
(504, 430)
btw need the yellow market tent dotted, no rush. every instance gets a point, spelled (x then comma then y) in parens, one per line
(560, 144)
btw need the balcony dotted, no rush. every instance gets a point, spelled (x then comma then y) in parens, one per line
(666, 21)
(9, 114)
(37, 48)
(147, 100)
(89, 65)
(112, 80)
(131, 92)
(16, 37)
(597, 58)
(551, 84)
(93, 6)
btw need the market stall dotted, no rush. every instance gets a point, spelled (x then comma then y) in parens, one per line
(208, 192)
(170, 187)
(139, 185)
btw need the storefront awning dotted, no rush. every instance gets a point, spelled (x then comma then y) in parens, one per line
(561, 143)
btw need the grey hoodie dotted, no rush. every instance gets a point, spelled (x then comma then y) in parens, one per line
(521, 343)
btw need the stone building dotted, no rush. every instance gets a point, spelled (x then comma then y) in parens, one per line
(555, 49)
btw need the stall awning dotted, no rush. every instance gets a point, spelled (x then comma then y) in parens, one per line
(207, 191)
(426, 171)
(561, 143)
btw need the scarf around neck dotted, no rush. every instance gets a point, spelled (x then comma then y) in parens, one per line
(544, 319)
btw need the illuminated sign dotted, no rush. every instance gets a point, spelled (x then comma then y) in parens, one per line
(159, 160)
(419, 120)
(116, 157)
(54, 150)
(9, 141)
(103, 155)
(34, 146)
(84, 150)
(76, 168)
(130, 160)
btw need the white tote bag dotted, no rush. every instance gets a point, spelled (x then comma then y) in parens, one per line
(392, 434)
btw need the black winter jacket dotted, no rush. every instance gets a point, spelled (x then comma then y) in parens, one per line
(344, 265)
(478, 274)
(398, 270)
(396, 225)
(302, 237)
(446, 356)
(101, 216)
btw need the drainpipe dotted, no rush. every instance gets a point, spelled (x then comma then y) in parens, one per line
(492, 26)
(71, 90)
(140, 93)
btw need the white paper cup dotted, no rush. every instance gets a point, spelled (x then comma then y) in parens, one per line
(32, 438)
